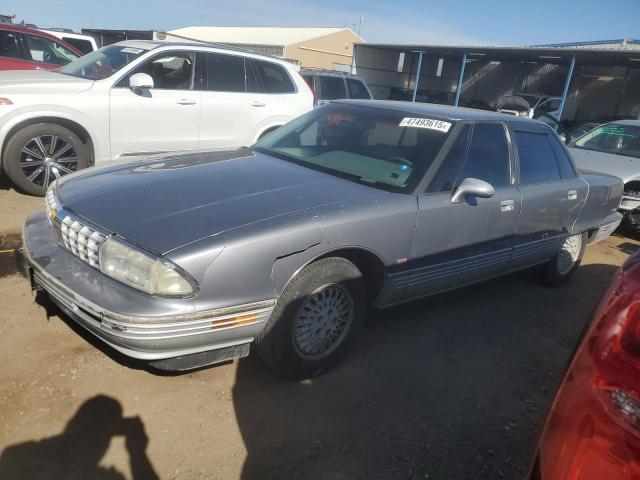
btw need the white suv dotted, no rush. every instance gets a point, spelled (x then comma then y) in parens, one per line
(140, 97)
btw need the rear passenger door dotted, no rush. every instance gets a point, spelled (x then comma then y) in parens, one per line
(233, 104)
(552, 195)
(459, 243)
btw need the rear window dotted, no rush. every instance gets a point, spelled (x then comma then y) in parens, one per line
(357, 90)
(275, 78)
(537, 159)
(332, 88)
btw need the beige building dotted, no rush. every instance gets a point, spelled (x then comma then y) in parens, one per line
(328, 48)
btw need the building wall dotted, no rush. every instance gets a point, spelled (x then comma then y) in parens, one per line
(324, 52)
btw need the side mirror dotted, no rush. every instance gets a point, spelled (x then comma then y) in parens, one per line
(140, 81)
(472, 187)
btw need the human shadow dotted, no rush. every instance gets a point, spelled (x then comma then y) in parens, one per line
(453, 386)
(77, 451)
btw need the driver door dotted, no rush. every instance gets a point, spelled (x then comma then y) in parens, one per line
(460, 243)
(159, 119)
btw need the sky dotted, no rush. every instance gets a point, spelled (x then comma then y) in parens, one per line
(478, 22)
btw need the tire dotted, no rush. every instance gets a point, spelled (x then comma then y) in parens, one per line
(53, 151)
(561, 268)
(292, 340)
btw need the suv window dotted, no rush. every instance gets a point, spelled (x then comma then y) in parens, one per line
(225, 73)
(46, 50)
(332, 88)
(8, 44)
(357, 90)
(488, 155)
(171, 72)
(445, 179)
(274, 77)
(537, 160)
(83, 45)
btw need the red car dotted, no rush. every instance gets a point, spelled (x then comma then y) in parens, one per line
(23, 48)
(593, 430)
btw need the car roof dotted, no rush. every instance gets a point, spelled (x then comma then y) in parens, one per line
(327, 73)
(443, 111)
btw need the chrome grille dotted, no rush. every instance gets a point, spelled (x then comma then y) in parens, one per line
(82, 240)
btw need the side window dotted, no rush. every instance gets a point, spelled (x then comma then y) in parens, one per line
(445, 179)
(170, 72)
(274, 77)
(488, 155)
(8, 44)
(357, 89)
(83, 45)
(46, 50)
(332, 88)
(225, 73)
(537, 159)
(564, 162)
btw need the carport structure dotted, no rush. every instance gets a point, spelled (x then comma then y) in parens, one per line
(594, 83)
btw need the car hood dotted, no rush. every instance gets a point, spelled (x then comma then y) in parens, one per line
(41, 81)
(626, 168)
(167, 203)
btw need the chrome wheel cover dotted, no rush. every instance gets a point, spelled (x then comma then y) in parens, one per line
(569, 253)
(46, 158)
(322, 322)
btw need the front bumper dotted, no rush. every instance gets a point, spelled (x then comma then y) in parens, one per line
(165, 332)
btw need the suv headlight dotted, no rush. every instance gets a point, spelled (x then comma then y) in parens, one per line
(139, 270)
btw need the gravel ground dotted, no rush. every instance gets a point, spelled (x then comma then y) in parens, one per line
(452, 387)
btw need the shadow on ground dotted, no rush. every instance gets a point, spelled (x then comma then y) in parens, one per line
(76, 452)
(452, 387)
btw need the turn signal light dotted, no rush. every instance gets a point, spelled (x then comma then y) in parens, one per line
(5, 101)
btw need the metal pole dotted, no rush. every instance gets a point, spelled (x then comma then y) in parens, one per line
(566, 87)
(459, 87)
(415, 88)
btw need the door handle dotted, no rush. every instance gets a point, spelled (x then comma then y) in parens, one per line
(258, 103)
(506, 205)
(186, 101)
(572, 195)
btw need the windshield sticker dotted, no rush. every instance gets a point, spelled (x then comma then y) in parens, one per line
(428, 123)
(135, 51)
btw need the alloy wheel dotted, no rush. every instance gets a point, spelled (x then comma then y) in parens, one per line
(46, 158)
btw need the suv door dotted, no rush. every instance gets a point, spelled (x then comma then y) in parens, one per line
(233, 104)
(459, 243)
(552, 195)
(163, 118)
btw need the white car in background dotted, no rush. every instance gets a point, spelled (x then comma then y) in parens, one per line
(84, 43)
(137, 98)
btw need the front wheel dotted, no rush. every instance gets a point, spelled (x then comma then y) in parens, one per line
(316, 319)
(39, 154)
(561, 268)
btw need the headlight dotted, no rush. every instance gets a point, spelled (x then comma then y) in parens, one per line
(138, 269)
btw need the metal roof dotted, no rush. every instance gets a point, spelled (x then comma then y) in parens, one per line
(275, 36)
(592, 56)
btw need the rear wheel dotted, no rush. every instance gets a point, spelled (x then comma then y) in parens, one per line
(561, 268)
(39, 154)
(316, 319)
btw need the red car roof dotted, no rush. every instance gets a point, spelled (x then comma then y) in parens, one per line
(22, 29)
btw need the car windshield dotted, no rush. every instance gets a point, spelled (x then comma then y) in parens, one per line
(388, 149)
(615, 138)
(102, 63)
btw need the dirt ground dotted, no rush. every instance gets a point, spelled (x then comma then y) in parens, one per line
(451, 387)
